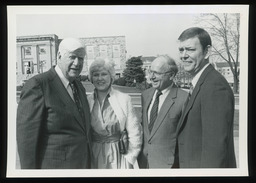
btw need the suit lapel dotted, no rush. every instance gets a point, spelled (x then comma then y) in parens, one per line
(115, 104)
(148, 98)
(85, 105)
(65, 97)
(166, 107)
(194, 95)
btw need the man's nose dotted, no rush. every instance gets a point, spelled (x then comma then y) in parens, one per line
(76, 61)
(184, 54)
(152, 75)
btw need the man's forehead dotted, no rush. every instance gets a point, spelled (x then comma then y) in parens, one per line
(189, 42)
(71, 44)
(79, 51)
(159, 63)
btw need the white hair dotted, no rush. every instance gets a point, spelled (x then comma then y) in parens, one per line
(70, 45)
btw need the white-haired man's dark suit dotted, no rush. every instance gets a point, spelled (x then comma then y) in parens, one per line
(51, 133)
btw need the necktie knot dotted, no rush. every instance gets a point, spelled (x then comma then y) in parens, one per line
(72, 86)
(158, 93)
(191, 90)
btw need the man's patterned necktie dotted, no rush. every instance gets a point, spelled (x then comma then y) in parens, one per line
(77, 100)
(154, 111)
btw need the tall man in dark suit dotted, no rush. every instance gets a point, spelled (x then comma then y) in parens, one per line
(53, 118)
(161, 110)
(205, 131)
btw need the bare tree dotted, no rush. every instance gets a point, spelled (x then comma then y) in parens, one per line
(225, 32)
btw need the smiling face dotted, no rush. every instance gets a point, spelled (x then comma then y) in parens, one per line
(71, 63)
(192, 55)
(71, 57)
(101, 79)
(160, 76)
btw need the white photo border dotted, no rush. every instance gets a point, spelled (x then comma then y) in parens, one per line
(13, 11)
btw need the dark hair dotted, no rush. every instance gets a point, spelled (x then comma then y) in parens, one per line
(202, 35)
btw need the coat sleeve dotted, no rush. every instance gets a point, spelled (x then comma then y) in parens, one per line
(134, 129)
(217, 111)
(30, 115)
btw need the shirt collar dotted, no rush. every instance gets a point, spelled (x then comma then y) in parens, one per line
(166, 90)
(197, 76)
(107, 96)
(62, 77)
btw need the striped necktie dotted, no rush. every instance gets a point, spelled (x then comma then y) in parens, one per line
(77, 100)
(154, 111)
(190, 91)
(189, 96)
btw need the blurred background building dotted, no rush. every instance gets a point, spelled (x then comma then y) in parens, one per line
(37, 53)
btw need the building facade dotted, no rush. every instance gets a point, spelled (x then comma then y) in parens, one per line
(37, 54)
(225, 70)
(111, 47)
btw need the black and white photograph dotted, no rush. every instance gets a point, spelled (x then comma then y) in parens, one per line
(127, 91)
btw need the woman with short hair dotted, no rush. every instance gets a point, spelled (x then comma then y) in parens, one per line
(112, 115)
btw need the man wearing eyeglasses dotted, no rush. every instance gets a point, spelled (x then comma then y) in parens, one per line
(161, 110)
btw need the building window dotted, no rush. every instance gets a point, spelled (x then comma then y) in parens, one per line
(42, 50)
(27, 60)
(28, 67)
(27, 51)
(116, 51)
(42, 53)
(103, 51)
(90, 52)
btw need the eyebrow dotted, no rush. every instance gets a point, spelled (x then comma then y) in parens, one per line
(187, 47)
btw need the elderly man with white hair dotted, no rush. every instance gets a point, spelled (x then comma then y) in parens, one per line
(53, 118)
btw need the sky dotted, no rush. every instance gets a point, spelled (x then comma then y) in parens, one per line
(145, 34)
(148, 30)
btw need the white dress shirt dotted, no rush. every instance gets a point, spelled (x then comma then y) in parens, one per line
(197, 76)
(162, 98)
(64, 81)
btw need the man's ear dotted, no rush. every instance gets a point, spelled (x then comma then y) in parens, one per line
(172, 76)
(208, 51)
(58, 55)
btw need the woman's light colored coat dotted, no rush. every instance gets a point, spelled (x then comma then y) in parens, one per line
(128, 119)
